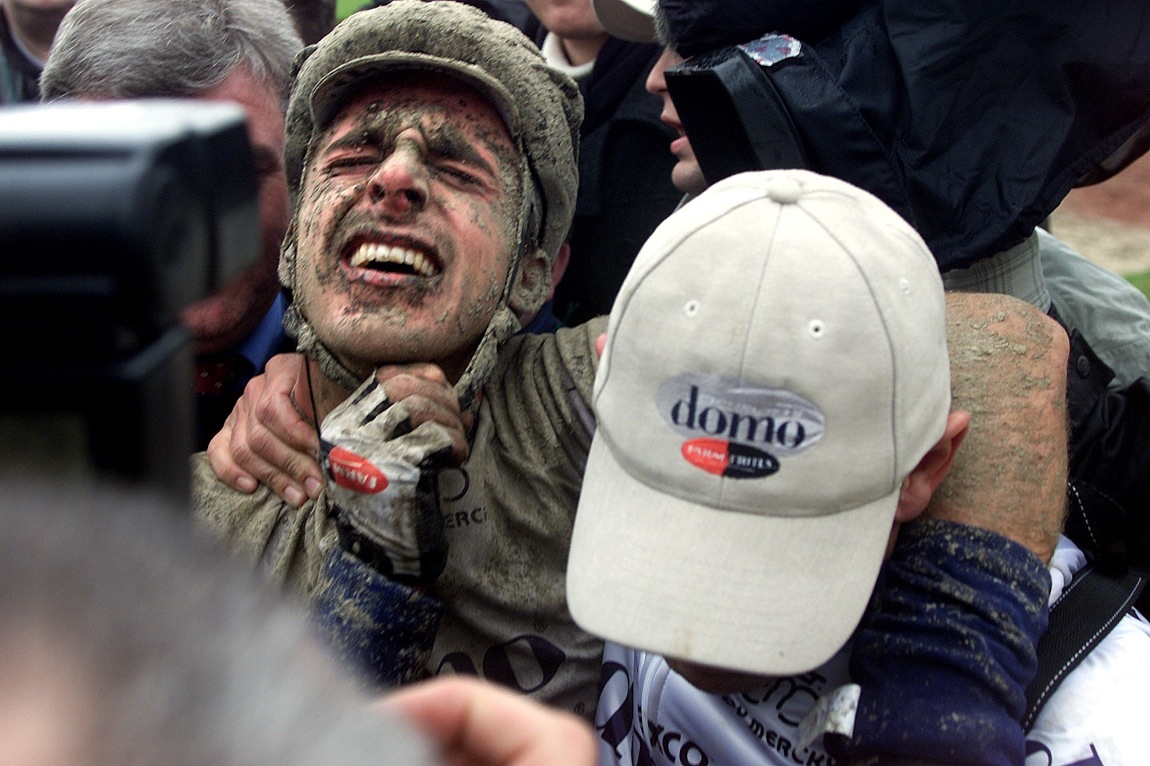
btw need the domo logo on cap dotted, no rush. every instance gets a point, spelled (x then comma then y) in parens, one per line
(735, 430)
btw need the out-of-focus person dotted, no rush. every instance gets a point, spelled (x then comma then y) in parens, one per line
(127, 639)
(27, 28)
(217, 50)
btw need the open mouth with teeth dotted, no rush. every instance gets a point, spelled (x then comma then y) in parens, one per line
(392, 260)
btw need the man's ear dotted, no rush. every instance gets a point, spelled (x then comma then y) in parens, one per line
(535, 282)
(918, 487)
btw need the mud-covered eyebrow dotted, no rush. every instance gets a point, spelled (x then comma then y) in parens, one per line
(451, 144)
(442, 141)
(351, 140)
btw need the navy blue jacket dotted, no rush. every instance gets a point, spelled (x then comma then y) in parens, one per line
(625, 187)
(971, 118)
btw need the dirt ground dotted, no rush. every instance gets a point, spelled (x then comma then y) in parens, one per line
(1110, 222)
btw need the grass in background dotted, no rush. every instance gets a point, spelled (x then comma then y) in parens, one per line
(344, 8)
(1141, 281)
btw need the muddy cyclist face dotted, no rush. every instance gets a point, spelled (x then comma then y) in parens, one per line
(407, 221)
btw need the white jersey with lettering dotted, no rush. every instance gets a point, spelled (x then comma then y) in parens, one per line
(1097, 716)
(648, 715)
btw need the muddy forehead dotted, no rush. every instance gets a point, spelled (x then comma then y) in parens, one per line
(441, 128)
(453, 116)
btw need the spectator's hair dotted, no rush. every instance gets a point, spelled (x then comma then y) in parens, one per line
(108, 49)
(144, 644)
(313, 18)
(663, 34)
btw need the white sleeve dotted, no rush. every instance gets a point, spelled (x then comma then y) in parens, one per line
(1097, 716)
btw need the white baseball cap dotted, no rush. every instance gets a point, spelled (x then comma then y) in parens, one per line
(632, 20)
(776, 365)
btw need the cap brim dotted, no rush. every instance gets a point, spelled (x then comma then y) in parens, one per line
(331, 91)
(632, 20)
(749, 592)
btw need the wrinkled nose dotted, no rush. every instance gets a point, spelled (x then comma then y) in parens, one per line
(399, 185)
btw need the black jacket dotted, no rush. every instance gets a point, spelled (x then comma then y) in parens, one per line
(971, 118)
(625, 188)
(1109, 503)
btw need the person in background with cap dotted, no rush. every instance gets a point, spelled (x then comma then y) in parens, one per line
(751, 472)
(431, 163)
(1107, 318)
(231, 50)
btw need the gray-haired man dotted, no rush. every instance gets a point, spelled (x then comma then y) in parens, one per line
(228, 50)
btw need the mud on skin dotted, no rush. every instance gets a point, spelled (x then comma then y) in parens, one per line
(469, 175)
(1008, 371)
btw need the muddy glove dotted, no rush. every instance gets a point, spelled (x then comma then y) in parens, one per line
(383, 485)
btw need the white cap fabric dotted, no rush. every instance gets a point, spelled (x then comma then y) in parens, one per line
(775, 366)
(632, 20)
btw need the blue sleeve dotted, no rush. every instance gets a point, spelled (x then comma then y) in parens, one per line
(947, 648)
(381, 630)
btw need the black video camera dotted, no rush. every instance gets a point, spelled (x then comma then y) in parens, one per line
(114, 217)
